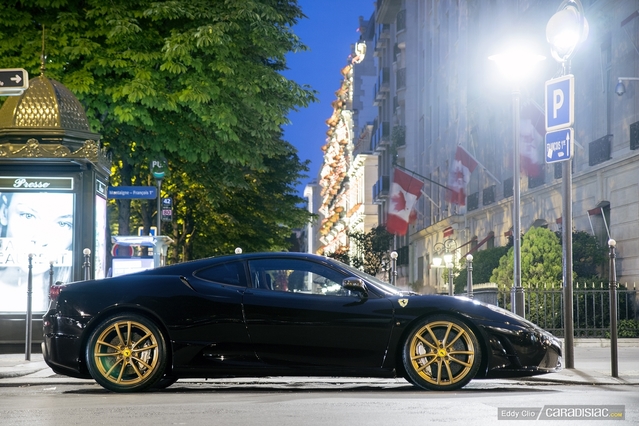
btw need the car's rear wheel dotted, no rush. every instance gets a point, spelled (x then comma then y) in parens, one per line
(126, 353)
(441, 353)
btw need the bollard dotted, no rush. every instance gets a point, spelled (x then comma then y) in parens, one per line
(613, 309)
(469, 282)
(393, 256)
(87, 263)
(28, 338)
(50, 276)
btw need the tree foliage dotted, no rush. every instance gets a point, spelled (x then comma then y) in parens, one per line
(541, 260)
(197, 82)
(370, 250)
(484, 262)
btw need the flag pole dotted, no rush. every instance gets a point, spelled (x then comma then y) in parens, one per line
(422, 177)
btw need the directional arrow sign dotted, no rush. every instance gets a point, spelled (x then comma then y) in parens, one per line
(13, 81)
(559, 145)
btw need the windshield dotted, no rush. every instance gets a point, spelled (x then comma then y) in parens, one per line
(383, 286)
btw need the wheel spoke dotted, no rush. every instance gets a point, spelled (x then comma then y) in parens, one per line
(107, 344)
(460, 362)
(139, 360)
(116, 326)
(432, 335)
(426, 342)
(108, 373)
(142, 339)
(445, 339)
(450, 373)
(460, 333)
(135, 368)
(439, 371)
(128, 334)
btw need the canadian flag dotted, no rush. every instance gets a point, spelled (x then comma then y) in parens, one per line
(404, 193)
(459, 176)
(532, 129)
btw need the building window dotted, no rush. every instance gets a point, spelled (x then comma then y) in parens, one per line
(535, 181)
(489, 195)
(634, 135)
(599, 150)
(473, 201)
(508, 187)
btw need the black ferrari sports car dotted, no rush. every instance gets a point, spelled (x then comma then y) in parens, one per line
(280, 314)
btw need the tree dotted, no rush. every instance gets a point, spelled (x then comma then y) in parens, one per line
(484, 262)
(195, 81)
(540, 260)
(588, 256)
(371, 248)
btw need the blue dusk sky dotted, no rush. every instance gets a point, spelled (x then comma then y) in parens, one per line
(329, 31)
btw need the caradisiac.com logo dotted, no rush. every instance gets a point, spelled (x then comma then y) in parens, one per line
(563, 412)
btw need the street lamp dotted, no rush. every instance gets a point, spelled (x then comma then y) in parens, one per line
(515, 63)
(620, 89)
(393, 256)
(469, 278)
(565, 30)
(448, 249)
(612, 286)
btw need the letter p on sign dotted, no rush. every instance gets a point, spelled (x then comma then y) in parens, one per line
(560, 103)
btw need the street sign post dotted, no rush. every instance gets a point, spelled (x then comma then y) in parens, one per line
(132, 192)
(560, 100)
(559, 145)
(13, 81)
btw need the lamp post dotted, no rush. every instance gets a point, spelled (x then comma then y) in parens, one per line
(613, 308)
(565, 30)
(469, 278)
(448, 248)
(393, 256)
(514, 63)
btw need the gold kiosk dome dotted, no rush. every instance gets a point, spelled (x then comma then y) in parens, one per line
(47, 120)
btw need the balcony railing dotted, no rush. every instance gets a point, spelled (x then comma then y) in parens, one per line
(380, 40)
(381, 136)
(380, 189)
(382, 87)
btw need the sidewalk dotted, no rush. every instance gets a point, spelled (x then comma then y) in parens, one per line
(592, 367)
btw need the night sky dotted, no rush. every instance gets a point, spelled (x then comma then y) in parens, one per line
(329, 31)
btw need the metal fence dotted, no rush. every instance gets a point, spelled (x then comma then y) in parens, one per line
(591, 308)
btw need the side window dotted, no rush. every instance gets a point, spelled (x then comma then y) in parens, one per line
(231, 273)
(296, 276)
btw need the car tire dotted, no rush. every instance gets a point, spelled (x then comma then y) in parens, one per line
(441, 353)
(165, 382)
(126, 353)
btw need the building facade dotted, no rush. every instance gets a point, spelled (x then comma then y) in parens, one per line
(436, 90)
(341, 195)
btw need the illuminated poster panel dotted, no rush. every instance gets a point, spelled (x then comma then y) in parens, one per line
(100, 257)
(38, 223)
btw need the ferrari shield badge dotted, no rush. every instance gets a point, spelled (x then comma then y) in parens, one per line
(403, 302)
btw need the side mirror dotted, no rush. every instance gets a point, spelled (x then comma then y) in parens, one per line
(355, 284)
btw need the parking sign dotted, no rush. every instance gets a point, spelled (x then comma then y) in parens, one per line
(560, 99)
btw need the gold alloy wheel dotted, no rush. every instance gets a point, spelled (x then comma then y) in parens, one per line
(126, 353)
(442, 353)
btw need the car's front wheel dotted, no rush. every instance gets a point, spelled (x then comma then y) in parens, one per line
(441, 353)
(126, 353)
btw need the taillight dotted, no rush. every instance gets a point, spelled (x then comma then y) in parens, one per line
(54, 292)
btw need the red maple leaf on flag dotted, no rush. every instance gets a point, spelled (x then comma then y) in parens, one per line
(399, 201)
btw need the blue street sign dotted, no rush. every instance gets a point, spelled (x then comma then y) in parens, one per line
(560, 100)
(149, 192)
(559, 145)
